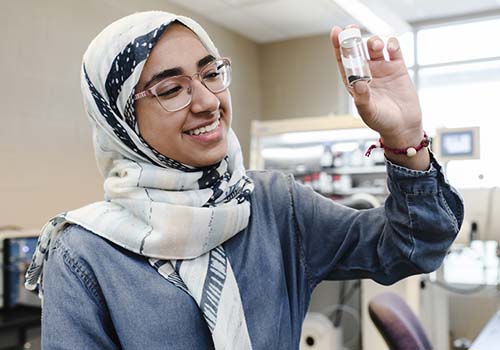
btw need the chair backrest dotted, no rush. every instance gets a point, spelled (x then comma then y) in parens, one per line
(397, 323)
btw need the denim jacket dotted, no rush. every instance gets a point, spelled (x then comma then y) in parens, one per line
(98, 295)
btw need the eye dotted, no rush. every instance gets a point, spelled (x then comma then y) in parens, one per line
(169, 90)
(213, 74)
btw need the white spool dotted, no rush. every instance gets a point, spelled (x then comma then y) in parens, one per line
(318, 333)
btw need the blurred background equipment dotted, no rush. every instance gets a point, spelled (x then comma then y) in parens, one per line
(397, 323)
(16, 250)
(327, 154)
(456, 143)
(318, 333)
(20, 309)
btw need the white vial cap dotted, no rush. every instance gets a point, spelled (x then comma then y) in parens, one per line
(349, 34)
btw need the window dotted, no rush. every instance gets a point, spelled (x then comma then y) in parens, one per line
(458, 42)
(456, 69)
(463, 94)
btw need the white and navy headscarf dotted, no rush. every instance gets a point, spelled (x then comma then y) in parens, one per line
(175, 214)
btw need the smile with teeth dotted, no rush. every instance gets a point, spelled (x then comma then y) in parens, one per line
(205, 129)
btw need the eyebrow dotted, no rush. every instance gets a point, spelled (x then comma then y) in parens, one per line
(172, 72)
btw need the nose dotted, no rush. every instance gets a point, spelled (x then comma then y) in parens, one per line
(203, 100)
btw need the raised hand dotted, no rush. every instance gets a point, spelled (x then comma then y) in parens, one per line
(389, 103)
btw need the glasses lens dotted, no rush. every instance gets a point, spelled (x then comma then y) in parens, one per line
(174, 93)
(216, 75)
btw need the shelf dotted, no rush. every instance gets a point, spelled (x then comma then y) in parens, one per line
(361, 170)
(355, 190)
(376, 169)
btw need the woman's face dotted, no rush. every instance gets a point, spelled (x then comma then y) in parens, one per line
(170, 133)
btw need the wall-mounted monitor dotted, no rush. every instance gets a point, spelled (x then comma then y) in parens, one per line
(456, 143)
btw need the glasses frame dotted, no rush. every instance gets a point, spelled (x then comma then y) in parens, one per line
(152, 90)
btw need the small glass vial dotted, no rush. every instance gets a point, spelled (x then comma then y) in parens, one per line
(354, 57)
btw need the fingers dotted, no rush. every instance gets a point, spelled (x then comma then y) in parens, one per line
(334, 38)
(394, 49)
(375, 48)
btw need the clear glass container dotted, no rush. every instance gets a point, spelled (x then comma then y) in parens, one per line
(354, 56)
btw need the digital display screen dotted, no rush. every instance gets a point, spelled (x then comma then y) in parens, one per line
(457, 143)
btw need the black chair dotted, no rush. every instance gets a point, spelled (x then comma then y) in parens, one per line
(397, 323)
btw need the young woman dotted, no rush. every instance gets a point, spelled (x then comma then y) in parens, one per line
(190, 251)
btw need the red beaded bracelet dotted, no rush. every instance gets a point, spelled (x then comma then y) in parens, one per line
(409, 151)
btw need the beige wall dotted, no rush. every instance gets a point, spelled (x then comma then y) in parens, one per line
(299, 78)
(47, 161)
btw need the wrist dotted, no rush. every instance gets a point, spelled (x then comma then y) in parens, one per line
(409, 151)
(421, 160)
(409, 138)
(405, 150)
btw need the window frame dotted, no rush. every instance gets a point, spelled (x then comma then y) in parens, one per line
(435, 23)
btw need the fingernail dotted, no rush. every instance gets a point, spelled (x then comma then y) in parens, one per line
(377, 43)
(392, 46)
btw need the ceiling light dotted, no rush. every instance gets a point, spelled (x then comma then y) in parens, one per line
(244, 2)
(377, 20)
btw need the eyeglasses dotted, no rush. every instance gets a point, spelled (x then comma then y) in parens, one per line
(176, 93)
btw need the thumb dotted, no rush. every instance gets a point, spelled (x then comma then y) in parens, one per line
(361, 93)
(361, 89)
(362, 98)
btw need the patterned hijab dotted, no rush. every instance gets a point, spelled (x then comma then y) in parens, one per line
(175, 214)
